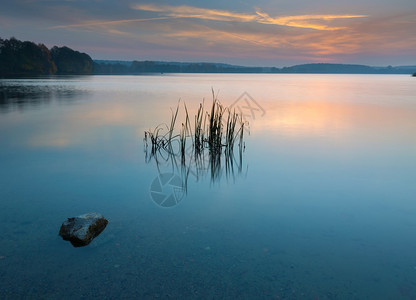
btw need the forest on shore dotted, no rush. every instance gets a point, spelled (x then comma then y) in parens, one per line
(22, 58)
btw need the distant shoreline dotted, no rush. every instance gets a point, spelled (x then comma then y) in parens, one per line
(110, 67)
(20, 59)
(68, 76)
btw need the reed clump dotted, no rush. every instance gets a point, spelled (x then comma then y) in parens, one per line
(203, 143)
(217, 130)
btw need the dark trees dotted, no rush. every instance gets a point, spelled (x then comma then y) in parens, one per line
(69, 61)
(19, 58)
(25, 58)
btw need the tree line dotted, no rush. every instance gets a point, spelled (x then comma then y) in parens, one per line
(143, 67)
(18, 58)
(23, 58)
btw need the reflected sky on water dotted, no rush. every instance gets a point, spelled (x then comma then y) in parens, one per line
(323, 205)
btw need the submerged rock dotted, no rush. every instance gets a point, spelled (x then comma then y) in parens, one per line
(81, 230)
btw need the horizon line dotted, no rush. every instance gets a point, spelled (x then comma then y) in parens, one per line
(257, 66)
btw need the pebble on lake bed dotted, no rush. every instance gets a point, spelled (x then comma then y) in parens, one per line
(81, 230)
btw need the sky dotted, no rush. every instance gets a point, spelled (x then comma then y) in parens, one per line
(251, 33)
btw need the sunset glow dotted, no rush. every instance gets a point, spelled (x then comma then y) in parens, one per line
(261, 34)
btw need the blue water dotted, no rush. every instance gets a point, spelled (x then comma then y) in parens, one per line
(321, 206)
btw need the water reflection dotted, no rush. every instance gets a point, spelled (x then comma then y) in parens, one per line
(216, 165)
(214, 145)
(22, 94)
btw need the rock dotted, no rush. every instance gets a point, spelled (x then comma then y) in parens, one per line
(81, 230)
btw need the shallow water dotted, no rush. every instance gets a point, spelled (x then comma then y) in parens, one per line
(322, 206)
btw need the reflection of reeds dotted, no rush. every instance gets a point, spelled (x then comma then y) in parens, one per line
(216, 130)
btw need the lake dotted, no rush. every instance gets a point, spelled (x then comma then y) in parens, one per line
(319, 204)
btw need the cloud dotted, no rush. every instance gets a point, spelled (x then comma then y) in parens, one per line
(185, 11)
(250, 33)
(183, 32)
(264, 44)
(306, 21)
(300, 21)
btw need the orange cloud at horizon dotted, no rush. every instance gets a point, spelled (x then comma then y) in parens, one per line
(305, 21)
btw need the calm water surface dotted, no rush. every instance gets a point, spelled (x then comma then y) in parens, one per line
(322, 206)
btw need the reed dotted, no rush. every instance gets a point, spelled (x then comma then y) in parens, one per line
(199, 130)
